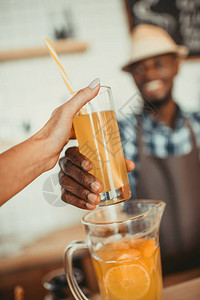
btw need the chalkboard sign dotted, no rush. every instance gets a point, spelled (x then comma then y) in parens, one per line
(181, 18)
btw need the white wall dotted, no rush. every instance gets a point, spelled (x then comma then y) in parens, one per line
(31, 89)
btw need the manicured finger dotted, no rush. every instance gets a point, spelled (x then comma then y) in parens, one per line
(70, 185)
(87, 180)
(130, 166)
(75, 201)
(78, 159)
(83, 96)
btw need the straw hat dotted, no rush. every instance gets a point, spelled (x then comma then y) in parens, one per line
(148, 41)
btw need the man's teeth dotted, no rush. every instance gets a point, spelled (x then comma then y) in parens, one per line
(153, 85)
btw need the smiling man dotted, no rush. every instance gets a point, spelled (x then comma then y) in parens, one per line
(164, 143)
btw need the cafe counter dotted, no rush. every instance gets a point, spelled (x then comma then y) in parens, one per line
(46, 254)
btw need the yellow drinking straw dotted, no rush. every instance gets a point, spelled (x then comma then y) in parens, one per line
(63, 73)
(55, 57)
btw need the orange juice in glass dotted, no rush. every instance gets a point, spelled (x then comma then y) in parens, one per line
(98, 136)
(123, 241)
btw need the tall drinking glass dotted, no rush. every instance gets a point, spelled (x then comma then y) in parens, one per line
(97, 132)
(123, 241)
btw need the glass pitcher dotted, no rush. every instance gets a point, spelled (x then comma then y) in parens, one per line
(123, 240)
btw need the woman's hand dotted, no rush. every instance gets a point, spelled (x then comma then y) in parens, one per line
(79, 187)
(58, 130)
(23, 163)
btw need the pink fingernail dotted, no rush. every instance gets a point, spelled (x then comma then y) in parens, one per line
(92, 198)
(85, 165)
(90, 206)
(95, 186)
(94, 83)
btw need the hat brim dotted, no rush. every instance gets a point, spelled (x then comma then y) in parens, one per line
(180, 50)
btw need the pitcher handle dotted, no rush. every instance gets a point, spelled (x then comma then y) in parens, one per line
(68, 257)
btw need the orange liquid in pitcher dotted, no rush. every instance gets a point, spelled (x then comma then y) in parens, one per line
(129, 270)
(99, 140)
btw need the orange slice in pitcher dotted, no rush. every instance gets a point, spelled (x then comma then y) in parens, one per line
(130, 281)
(129, 255)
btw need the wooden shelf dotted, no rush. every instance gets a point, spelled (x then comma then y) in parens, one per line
(61, 47)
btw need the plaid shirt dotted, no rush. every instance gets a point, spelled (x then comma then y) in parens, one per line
(159, 139)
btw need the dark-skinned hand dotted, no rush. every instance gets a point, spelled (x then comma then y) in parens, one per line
(79, 187)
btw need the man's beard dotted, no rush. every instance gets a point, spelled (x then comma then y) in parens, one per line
(155, 105)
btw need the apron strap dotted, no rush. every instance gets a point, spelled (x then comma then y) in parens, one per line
(192, 134)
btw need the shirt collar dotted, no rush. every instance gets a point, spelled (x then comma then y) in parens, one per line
(150, 123)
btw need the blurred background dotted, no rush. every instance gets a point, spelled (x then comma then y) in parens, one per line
(31, 88)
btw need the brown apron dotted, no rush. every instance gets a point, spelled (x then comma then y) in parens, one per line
(176, 181)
